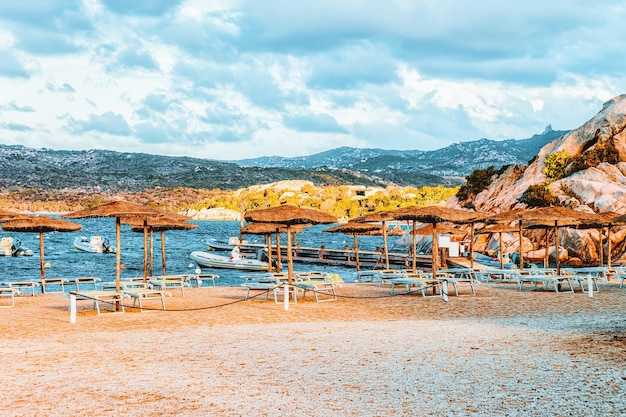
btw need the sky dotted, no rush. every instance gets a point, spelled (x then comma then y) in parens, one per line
(229, 80)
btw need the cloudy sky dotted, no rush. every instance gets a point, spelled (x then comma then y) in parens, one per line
(236, 79)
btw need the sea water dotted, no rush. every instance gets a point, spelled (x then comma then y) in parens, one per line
(64, 261)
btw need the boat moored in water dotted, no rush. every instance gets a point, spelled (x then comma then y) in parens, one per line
(212, 260)
(94, 244)
(13, 247)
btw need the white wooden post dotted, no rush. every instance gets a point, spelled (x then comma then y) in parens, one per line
(286, 297)
(444, 289)
(589, 285)
(72, 308)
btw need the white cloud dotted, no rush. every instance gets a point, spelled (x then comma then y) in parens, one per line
(230, 79)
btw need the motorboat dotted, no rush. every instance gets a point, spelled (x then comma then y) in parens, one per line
(249, 263)
(11, 247)
(226, 246)
(93, 244)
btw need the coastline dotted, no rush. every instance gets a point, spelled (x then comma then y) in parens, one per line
(501, 352)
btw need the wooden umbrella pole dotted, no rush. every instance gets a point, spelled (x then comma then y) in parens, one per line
(546, 257)
(356, 252)
(501, 253)
(163, 259)
(385, 245)
(289, 257)
(145, 250)
(435, 251)
(151, 252)
(268, 239)
(608, 246)
(521, 251)
(279, 254)
(41, 263)
(472, 246)
(414, 247)
(556, 246)
(118, 253)
(601, 248)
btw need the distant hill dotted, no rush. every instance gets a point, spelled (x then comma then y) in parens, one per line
(449, 165)
(108, 171)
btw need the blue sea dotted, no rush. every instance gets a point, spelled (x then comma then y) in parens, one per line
(65, 261)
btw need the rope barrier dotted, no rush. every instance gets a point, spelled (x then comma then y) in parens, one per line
(261, 293)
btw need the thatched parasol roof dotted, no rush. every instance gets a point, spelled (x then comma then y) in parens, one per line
(159, 225)
(546, 216)
(123, 209)
(440, 229)
(289, 215)
(269, 228)
(7, 216)
(380, 216)
(436, 214)
(498, 228)
(351, 228)
(40, 224)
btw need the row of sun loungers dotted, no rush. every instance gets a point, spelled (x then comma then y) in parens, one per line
(320, 284)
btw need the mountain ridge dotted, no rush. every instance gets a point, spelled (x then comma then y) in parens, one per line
(110, 171)
(448, 165)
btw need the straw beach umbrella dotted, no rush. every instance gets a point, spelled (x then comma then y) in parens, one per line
(546, 217)
(289, 216)
(434, 215)
(354, 229)
(161, 225)
(41, 224)
(379, 217)
(119, 210)
(267, 229)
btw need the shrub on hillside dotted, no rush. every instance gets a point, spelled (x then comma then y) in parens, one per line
(538, 195)
(593, 157)
(476, 182)
(555, 165)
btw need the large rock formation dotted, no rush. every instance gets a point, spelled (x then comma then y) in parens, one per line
(594, 179)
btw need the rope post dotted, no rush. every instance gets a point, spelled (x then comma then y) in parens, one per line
(72, 308)
(444, 290)
(589, 285)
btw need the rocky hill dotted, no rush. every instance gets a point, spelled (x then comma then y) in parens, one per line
(584, 169)
(449, 165)
(108, 171)
(112, 172)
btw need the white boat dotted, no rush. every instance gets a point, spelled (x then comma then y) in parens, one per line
(94, 244)
(10, 247)
(211, 260)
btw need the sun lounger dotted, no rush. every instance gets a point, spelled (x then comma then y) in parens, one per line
(19, 285)
(141, 292)
(58, 282)
(317, 283)
(8, 292)
(112, 298)
(77, 281)
(200, 278)
(557, 281)
(165, 283)
(263, 284)
(421, 281)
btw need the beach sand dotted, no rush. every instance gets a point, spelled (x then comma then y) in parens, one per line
(501, 352)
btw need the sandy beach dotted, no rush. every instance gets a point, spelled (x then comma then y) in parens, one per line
(501, 352)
